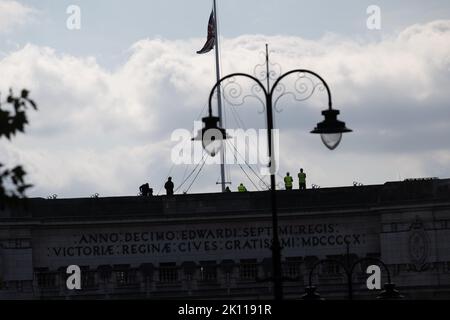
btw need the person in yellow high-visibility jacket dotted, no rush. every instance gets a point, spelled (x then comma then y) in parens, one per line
(288, 181)
(242, 188)
(302, 180)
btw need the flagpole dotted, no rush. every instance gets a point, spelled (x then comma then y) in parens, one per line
(219, 96)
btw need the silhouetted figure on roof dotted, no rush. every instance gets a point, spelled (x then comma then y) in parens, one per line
(169, 186)
(302, 180)
(288, 181)
(145, 190)
(242, 188)
(227, 189)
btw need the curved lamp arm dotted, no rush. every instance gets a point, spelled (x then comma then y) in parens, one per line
(232, 76)
(330, 101)
(318, 263)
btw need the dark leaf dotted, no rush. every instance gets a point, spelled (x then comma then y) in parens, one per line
(10, 124)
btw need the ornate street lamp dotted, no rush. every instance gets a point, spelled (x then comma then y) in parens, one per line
(389, 292)
(331, 130)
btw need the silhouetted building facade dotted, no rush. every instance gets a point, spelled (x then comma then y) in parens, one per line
(218, 245)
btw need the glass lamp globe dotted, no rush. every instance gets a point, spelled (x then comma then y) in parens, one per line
(331, 140)
(211, 136)
(331, 129)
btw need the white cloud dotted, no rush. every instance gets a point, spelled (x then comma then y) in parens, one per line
(13, 14)
(108, 131)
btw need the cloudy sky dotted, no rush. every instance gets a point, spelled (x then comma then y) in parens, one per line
(111, 94)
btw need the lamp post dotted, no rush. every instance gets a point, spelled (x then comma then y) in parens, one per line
(330, 129)
(389, 292)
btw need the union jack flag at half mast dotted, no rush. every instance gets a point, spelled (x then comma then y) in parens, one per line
(211, 41)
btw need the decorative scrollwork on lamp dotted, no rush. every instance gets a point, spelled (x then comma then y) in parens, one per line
(260, 70)
(302, 89)
(236, 95)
